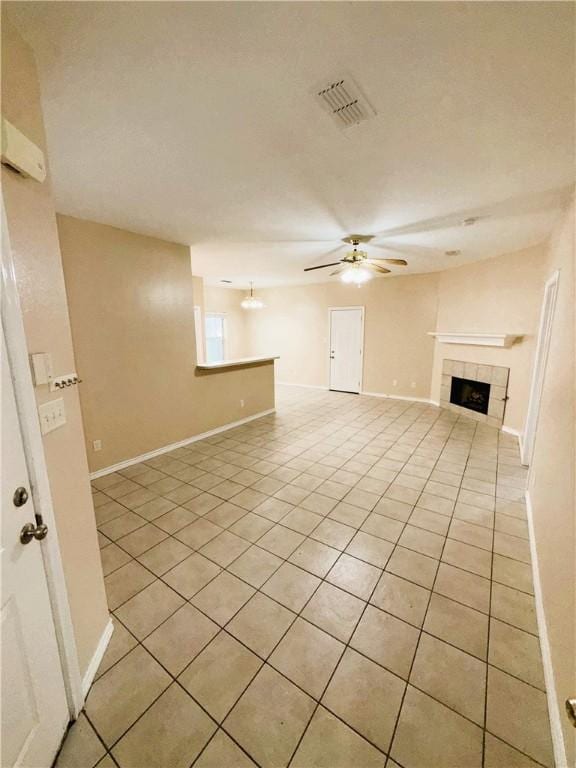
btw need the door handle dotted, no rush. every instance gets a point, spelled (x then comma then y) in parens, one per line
(31, 531)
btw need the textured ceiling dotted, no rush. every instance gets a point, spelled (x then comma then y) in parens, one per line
(196, 122)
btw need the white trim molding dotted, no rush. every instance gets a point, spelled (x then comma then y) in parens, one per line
(400, 397)
(557, 733)
(540, 362)
(515, 433)
(96, 659)
(17, 349)
(477, 339)
(180, 444)
(304, 386)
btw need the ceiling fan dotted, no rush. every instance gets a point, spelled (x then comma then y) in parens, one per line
(356, 267)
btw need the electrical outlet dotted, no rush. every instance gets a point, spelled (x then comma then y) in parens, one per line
(394, 382)
(413, 385)
(97, 445)
(52, 415)
(241, 403)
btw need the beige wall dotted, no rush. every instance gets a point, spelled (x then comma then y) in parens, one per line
(34, 240)
(551, 484)
(198, 298)
(131, 305)
(399, 312)
(198, 293)
(499, 295)
(227, 301)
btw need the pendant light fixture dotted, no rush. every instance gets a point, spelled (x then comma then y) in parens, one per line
(251, 302)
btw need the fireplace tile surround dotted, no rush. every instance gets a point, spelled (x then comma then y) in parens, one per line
(495, 375)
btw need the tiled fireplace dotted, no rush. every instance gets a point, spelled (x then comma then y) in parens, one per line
(474, 390)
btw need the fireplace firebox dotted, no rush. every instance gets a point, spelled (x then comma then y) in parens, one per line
(473, 395)
(475, 390)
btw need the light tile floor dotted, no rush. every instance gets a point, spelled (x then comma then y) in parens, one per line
(343, 584)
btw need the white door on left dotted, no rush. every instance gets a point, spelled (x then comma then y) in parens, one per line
(34, 707)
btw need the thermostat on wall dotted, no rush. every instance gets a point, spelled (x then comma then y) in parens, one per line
(21, 154)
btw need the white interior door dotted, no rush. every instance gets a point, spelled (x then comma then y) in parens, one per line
(346, 349)
(34, 707)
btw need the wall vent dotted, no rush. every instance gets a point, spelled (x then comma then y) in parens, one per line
(342, 99)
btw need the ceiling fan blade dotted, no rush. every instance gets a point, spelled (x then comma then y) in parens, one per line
(409, 250)
(376, 268)
(337, 271)
(326, 256)
(322, 266)
(395, 262)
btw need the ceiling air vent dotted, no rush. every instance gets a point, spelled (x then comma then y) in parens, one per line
(342, 99)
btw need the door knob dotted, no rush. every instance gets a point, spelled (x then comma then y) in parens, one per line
(20, 496)
(31, 531)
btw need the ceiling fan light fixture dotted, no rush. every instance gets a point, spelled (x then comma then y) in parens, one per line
(251, 302)
(356, 274)
(356, 255)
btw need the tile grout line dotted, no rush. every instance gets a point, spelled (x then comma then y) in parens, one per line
(251, 543)
(484, 730)
(265, 661)
(177, 681)
(421, 629)
(347, 647)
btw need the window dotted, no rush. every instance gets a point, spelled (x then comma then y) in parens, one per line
(214, 338)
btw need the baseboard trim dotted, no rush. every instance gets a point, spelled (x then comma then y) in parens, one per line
(304, 386)
(363, 392)
(519, 435)
(399, 397)
(179, 444)
(557, 733)
(90, 673)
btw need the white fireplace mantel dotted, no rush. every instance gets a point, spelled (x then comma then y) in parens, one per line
(476, 339)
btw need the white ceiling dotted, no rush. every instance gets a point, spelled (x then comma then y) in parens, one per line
(196, 122)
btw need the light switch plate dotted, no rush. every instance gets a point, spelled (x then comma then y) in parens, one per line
(52, 415)
(41, 368)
